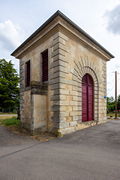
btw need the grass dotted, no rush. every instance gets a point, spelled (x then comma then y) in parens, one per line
(7, 116)
(14, 125)
(7, 113)
(10, 122)
(112, 114)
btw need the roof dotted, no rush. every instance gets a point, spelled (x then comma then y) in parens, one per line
(59, 13)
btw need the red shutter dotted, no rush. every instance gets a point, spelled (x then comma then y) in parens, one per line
(45, 66)
(27, 74)
(87, 98)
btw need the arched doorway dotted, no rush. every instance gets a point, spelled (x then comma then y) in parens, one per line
(87, 98)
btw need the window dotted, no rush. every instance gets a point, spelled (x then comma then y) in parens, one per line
(45, 66)
(27, 73)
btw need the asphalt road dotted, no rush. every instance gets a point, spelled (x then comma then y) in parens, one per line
(89, 154)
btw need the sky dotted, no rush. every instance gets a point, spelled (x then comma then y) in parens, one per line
(99, 18)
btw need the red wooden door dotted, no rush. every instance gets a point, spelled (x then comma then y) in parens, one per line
(87, 98)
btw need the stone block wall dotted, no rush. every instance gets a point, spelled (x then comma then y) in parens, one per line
(40, 112)
(34, 99)
(25, 100)
(75, 60)
(57, 74)
(57, 105)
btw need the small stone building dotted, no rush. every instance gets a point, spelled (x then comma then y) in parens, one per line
(62, 77)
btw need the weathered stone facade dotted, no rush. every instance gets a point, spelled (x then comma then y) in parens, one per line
(57, 104)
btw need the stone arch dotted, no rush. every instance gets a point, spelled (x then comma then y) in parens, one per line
(80, 69)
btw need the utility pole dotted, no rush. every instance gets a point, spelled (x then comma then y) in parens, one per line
(115, 94)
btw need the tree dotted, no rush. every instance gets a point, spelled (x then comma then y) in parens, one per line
(9, 89)
(118, 103)
(110, 104)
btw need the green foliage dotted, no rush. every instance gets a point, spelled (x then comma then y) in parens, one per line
(110, 104)
(118, 103)
(9, 90)
(10, 122)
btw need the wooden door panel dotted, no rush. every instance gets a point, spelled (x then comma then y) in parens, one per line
(87, 98)
(84, 103)
(90, 103)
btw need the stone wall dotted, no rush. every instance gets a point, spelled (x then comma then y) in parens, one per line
(34, 99)
(40, 112)
(79, 60)
(57, 70)
(57, 105)
(25, 100)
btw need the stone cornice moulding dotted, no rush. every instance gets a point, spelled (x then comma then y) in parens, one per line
(29, 44)
(61, 20)
(87, 42)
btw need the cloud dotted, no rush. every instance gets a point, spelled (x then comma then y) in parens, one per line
(113, 17)
(10, 35)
